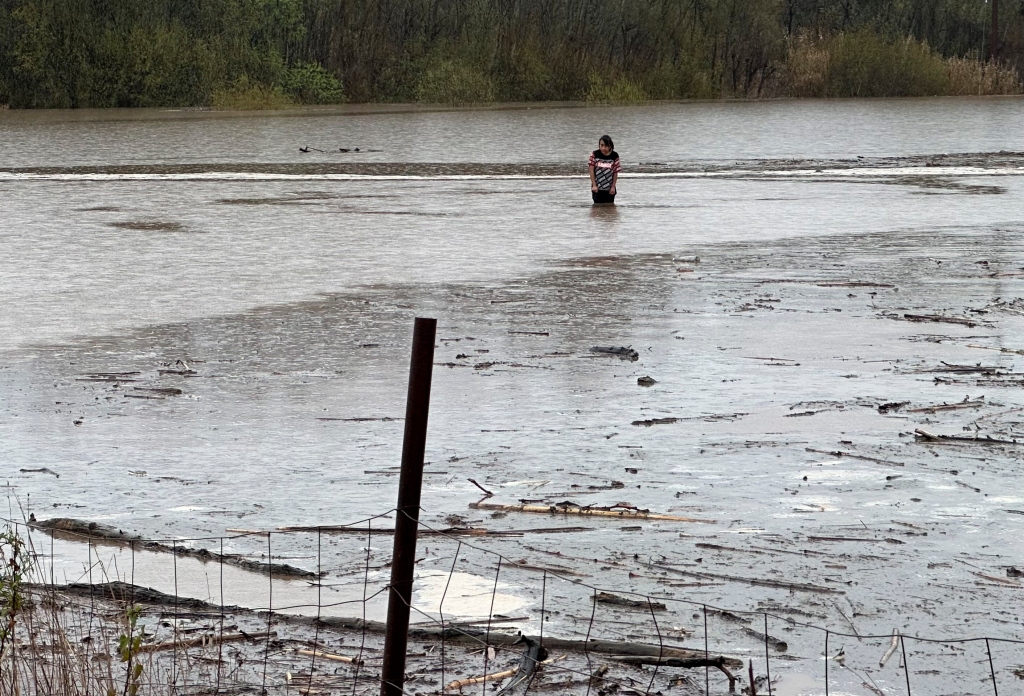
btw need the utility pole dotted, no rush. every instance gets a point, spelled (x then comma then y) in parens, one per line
(407, 513)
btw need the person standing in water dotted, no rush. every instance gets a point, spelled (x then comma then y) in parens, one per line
(604, 171)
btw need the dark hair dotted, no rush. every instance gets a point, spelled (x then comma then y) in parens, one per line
(607, 139)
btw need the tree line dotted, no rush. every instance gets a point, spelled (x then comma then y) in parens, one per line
(260, 53)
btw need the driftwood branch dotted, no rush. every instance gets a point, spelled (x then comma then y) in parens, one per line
(203, 641)
(892, 648)
(573, 509)
(718, 662)
(328, 656)
(961, 439)
(495, 676)
(487, 493)
(798, 586)
(939, 318)
(850, 455)
(609, 598)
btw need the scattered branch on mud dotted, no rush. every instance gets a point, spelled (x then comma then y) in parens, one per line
(487, 493)
(977, 403)
(609, 598)
(568, 508)
(925, 436)
(689, 663)
(942, 319)
(850, 455)
(796, 586)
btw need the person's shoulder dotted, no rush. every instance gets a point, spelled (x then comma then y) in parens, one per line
(613, 154)
(596, 153)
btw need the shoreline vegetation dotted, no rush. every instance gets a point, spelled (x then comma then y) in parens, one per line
(274, 54)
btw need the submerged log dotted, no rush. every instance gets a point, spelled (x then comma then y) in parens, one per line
(82, 530)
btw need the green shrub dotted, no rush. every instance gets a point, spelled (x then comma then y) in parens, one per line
(246, 96)
(311, 83)
(453, 81)
(971, 76)
(620, 91)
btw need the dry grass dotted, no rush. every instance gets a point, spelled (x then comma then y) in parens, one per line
(971, 76)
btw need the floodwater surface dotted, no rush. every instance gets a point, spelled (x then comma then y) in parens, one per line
(206, 330)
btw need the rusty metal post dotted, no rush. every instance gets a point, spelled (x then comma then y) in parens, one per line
(407, 513)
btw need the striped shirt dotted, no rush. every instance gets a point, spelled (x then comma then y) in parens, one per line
(605, 168)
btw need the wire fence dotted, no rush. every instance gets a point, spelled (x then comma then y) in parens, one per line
(473, 609)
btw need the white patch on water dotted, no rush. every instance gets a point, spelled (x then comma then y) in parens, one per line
(465, 595)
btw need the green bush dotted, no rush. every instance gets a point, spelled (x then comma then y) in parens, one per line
(453, 81)
(247, 96)
(310, 83)
(622, 90)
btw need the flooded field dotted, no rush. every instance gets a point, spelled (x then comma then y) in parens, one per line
(206, 330)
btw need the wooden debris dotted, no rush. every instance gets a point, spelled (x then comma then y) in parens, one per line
(977, 403)
(623, 352)
(458, 684)
(329, 656)
(1001, 350)
(719, 662)
(776, 644)
(568, 508)
(961, 439)
(719, 547)
(203, 641)
(855, 284)
(851, 455)
(842, 538)
(487, 493)
(609, 598)
(796, 586)
(450, 531)
(655, 421)
(940, 318)
(892, 647)
(996, 579)
(41, 470)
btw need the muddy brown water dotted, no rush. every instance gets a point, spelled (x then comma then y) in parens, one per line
(286, 284)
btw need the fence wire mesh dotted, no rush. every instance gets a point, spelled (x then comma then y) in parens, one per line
(192, 616)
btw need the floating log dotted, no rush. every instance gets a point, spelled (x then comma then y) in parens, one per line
(609, 598)
(939, 318)
(573, 509)
(41, 470)
(777, 644)
(82, 530)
